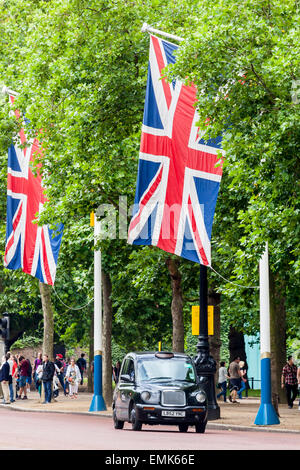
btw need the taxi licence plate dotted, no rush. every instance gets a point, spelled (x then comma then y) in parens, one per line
(175, 414)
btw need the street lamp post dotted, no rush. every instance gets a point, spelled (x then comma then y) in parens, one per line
(98, 403)
(205, 363)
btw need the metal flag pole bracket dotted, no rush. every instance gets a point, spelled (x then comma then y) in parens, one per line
(146, 28)
(8, 91)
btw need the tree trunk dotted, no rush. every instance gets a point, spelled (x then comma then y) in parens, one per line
(176, 306)
(236, 345)
(278, 337)
(45, 291)
(106, 339)
(215, 340)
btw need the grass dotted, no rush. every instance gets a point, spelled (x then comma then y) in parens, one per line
(253, 393)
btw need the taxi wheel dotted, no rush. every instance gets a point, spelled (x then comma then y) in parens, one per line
(200, 427)
(135, 423)
(117, 423)
(183, 427)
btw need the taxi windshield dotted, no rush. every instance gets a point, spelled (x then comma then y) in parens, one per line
(176, 368)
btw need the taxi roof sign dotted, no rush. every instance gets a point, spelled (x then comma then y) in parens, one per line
(164, 355)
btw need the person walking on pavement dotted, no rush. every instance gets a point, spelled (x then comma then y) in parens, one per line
(60, 375)
(37, 362)
(73, 377)
(81, 363)
(298, 378)
(11, 387)
(23, 374)
(243, 379)
(4, 379)
(47, 377)
(223, 380)
(289, 381)
(116, 371)
(234, 379)
(15, 371)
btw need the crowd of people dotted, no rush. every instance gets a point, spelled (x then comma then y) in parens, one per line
(17, 374)
(235, 379)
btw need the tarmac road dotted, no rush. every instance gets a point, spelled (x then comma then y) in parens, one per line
(44, 431)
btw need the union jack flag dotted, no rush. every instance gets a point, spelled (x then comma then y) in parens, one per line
(179, 172)
(29, 247)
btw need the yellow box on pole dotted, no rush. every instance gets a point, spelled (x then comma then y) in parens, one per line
(92, 219)
(195, 319)
(159, 345)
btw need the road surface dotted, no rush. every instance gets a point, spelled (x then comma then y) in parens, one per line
(44, 431)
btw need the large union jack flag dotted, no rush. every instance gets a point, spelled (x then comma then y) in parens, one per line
(29, 247)
(179, 172)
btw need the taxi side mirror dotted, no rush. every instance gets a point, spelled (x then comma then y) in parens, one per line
(126, 378)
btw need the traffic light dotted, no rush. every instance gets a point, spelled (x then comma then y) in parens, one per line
(4, 327)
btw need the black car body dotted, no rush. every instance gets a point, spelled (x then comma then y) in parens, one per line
(159, 388)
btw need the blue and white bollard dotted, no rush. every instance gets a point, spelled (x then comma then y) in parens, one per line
(266, 414)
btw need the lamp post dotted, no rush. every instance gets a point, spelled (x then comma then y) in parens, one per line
(98, 403)
(204, 362)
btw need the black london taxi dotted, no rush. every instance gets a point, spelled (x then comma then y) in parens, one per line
(159, 388)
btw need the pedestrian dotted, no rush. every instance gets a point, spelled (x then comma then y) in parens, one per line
(11, 387)
(66, 365)
(244, 379)
(56, 382)
(298, 377)
(47, 378)
(289, 381)
(60, 373)
(234, 379)
(23, 374)
(37, 362)
(4, 379)
(15, 369)
(29, 376)
(73, 377)
(223, 380)
(116, 371)
(38, 378)
(81, 363)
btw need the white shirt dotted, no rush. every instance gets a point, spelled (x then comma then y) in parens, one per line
(222, 374)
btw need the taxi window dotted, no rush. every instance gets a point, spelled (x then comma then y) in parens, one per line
(152, 368)
(128, 368)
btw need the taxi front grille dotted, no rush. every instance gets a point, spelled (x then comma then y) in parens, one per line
(173, 398)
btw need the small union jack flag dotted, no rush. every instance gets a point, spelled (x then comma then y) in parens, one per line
(32, 248)
(179, 172)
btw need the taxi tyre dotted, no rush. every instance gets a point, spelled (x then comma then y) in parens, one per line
(135, 422)
(183, 427)
(200, 427)
(117, 423)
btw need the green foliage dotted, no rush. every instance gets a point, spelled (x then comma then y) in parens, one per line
(80, 68)
(27, 341)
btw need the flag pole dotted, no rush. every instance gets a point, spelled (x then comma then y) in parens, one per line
(266, 414)
(147, 28)
(98, 403)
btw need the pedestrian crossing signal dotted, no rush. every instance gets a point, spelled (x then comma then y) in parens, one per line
(4, 328)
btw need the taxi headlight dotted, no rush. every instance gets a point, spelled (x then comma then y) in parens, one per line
(200, 397)
(145, 396)
(150, 397)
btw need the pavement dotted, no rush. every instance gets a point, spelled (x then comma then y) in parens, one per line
(234, 416)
